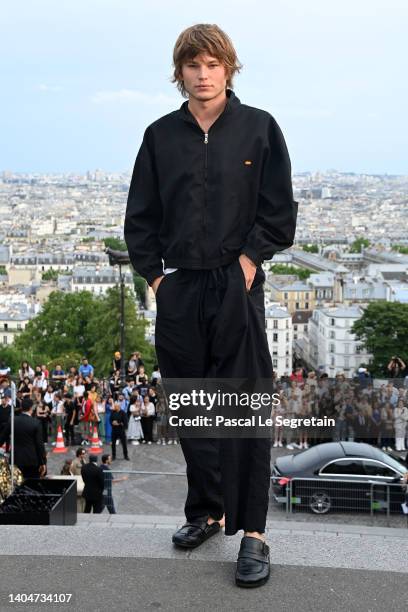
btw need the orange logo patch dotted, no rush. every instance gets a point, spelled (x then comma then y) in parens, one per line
(248, 162)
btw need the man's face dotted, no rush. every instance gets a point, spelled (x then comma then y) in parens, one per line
(204, 77)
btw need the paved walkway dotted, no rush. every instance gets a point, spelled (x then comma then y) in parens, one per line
(127, 562)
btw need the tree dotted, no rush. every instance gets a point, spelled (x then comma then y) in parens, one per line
(358, 245)
(62, 325)
(50, 275)
(301, 273)
(105, 328)
(71, 325)
(383, 329)
(115, 243)
(400, 248)
(311, 248)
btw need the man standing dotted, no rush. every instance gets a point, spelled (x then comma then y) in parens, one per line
(94, 481)
(29, 451)
(109, 480)
(119, 422)
(211, 195)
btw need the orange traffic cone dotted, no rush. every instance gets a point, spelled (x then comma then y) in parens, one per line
(59, 447)
(95, 449)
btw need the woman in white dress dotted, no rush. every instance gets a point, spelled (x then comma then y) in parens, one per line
(135, 431)
(400, 425)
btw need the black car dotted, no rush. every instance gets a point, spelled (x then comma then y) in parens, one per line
(340, 476)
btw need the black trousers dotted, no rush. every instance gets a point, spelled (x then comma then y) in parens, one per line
(118, 433)
(208, 325)
(96, 505)
(147, 426)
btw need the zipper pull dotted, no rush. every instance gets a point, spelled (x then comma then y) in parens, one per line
(205, 138)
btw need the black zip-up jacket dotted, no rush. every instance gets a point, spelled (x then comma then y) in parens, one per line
(199, 200)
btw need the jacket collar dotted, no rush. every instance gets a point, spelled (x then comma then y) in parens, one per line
(232, 103)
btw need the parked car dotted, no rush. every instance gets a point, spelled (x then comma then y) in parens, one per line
(340, 476)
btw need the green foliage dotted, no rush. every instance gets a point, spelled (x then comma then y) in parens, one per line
(71, 325)
(88, 239)
(358, 245)
(13, 356)
(383, 329)
(115, 243)
(301, 273)
(3, 271)
(140, 287)
(108, 320)
(50, 275)
(400, 248)
(310, 248)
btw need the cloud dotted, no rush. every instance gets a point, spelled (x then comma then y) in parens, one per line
(43, 87)
(132, 95)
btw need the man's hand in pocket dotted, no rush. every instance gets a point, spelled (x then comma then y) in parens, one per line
(249, 270)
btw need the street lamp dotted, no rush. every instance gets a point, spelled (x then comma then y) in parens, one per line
(120, 258)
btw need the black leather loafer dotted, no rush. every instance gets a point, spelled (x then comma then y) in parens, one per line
(192, 535)
(253, 563)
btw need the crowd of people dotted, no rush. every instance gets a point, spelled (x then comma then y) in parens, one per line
(362, 412)
(135, 410)
(76, 401)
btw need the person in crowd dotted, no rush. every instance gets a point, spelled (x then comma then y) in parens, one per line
(78, 462)
(400, 425)
(42, 413)
(141, 376)
(135, 431)
(58, 375)
(66, 469)
(119, 423)
(117, 361)
(58, 413)
(26, 387)
(109, 480)
(396, 367)
(94, 482)
(156, 376)
(71, 419)
(39, 382)
(5, 413)
(100, 410)
(387, 427)
(89, 417)
(86, 369)
(25, 370)
(29, 451)
(148, 413)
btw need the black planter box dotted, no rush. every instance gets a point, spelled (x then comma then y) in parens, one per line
(56, 503)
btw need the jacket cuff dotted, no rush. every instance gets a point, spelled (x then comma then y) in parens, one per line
(253, 255)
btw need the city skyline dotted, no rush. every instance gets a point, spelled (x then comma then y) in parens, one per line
(82, 81)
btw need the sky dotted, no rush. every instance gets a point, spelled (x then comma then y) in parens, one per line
(81, 79)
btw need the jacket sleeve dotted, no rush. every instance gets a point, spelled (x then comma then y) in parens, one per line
(275, 221)
(144, 215)
(5, 436)
(39, 445)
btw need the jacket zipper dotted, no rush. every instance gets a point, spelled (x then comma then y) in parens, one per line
(205, 192)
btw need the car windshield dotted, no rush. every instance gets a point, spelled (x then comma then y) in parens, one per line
(400, 467)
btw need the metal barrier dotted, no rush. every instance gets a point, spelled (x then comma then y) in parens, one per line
(310, 495)
(344, 496)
